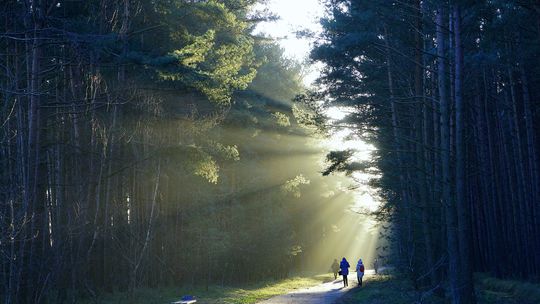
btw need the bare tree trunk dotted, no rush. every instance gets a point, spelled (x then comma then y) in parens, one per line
(447, 201)
(532, 159)
(486, 179)
(404, 197)
(33, 145)
(463, 207)
(421, 126)
(149, 231)
(520, 172)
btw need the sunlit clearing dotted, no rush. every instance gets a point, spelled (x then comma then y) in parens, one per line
(351, 236)
(353, 233)
(337, 210)
(332, 208)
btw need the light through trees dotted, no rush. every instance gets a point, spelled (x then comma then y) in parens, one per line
(154, 143)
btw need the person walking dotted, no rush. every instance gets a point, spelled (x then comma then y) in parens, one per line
(360, 271)
(344, 266)
(335, 268)
(376, 265)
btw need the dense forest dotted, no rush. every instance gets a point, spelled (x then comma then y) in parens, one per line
(151, 143)
(448, 92)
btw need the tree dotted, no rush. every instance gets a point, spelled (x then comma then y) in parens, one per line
(421, 90)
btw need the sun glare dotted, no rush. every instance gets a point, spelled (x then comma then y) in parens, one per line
(336, 113)
(352, 234)
(340, 141)
(294, 16)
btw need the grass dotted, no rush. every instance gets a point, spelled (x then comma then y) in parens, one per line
(377, 289)
(381, 289)
(495, 291)
(215, 294)
(389, 289)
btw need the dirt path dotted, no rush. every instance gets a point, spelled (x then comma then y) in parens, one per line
(325, 293)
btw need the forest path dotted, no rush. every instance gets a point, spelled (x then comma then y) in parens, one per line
(321, 294)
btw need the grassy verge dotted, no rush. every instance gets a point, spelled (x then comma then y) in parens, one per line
(215, 294)
(389, 289)
(380, 289)
(495, 291)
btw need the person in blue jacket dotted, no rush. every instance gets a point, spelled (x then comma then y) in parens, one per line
(344, 266)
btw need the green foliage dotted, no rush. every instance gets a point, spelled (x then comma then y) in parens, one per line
(292, 186)
(281, 119)
(224, 152)
(309, 113)
(210, 50)
(381, 63)
(196, 160)
(169, 137)
(196, 52)
(295, 250)
(280, 78)
(207, 168)
(338, 161)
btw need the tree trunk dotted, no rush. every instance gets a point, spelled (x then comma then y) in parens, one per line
(466, 291)
(404, 197)
(447, 201)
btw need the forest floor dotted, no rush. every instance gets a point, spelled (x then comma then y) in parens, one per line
(215, 294)
(388, 289)
(322, 289)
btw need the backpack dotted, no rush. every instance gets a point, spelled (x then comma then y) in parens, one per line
(361, 268)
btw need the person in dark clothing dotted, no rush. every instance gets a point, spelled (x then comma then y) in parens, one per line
(344, 265)
(335, 268)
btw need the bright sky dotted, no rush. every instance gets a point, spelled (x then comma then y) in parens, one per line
(295, 15)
